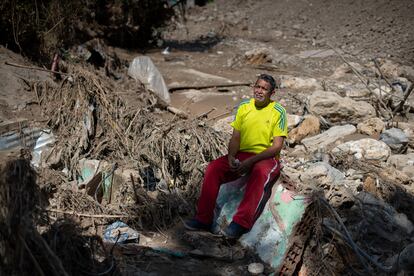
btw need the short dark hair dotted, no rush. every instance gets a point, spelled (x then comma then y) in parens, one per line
(270, 80)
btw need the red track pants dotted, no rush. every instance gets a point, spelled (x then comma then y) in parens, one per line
(258, 188)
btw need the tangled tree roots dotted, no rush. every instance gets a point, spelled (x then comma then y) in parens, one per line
(96, 120)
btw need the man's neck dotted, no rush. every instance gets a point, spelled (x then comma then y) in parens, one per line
(263, 105)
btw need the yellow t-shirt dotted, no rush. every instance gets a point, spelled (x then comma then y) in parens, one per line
(258, 126)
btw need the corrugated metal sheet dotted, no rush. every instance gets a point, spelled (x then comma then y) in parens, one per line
(26, 137)
(36, 139)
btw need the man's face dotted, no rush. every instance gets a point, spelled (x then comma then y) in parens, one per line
(262, 93)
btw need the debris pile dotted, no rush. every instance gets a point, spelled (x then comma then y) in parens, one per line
(141, 144)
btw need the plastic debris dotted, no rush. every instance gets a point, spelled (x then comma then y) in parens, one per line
(143, 69)
(44, 140)
(256, 268)
(119, 232)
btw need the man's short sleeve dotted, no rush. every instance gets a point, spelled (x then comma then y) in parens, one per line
(280, 128)
(238, 117)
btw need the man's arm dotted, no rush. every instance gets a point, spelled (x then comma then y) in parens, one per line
(234, 146)
(270, 152)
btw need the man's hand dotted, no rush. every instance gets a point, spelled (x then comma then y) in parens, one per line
(233, 163)
(245, 166)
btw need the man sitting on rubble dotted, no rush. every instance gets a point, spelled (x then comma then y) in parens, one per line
(259, 130)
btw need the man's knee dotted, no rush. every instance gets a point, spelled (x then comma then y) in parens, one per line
(262, 169)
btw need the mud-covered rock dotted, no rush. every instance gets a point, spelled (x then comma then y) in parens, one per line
(365, 149)
(328, 137)
(339, 109)
(371, 126)
(309, 126)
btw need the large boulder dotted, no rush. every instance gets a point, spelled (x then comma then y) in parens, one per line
(371, 126)
(365, 149)
(339, 109)
(309, 126)
(328, 137)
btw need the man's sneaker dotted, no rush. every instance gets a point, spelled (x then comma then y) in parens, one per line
(235, 231)
(195, 225)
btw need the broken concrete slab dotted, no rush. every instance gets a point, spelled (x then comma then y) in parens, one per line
(272, 234)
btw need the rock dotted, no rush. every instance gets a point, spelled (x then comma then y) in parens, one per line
(322, 174)
(256, 268)
(328, 137)
(293, 120)
(258, 56)
(298, 151)
(357, 93)
(395, 138)
(310, 126)
(393, 70)
(371, 126)
(223, 125)
(408, 129)
(332, 181)
(299, 83)
(366, 149)
(369, 185)
(339, 109)
(404, 163)
(344, 69)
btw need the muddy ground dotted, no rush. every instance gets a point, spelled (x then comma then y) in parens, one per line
(221, 44)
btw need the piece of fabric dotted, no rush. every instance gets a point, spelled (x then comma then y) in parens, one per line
(258, 126)
(259, 185)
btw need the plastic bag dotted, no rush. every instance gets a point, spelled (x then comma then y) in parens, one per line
(143, 69)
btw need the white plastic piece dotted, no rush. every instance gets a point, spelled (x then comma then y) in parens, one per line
(143, 69)
(256, 268)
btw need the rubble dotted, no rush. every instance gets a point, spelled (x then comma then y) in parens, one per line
(343, 204)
